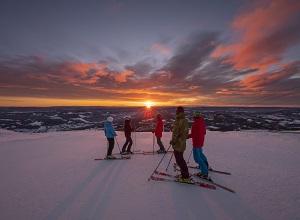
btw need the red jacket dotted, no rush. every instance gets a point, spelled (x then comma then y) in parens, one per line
(159, 128)
(198, 132)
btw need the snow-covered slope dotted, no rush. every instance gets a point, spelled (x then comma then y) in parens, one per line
(53, 176)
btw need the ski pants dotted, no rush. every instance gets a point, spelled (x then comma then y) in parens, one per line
(200, 159)
(182, 164)
(160, 144)
(129, 143)
(111, 144)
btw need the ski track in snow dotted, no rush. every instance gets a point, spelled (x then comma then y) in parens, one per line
(53, 176)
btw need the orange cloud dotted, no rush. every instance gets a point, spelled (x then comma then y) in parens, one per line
(264, 34)
(261, 80)
(122, 76)
(78, 73)
(83, 73)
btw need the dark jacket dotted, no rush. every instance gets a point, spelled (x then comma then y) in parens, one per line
(127, 128)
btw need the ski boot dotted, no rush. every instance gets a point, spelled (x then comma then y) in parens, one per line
(160, 151)
(129, 152)
(110, 157)
(204, 176)
(124, 152)
(185, 180)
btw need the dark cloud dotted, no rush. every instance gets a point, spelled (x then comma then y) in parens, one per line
(141, 68)
(191, 54)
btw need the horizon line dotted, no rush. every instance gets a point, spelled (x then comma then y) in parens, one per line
(159, 106)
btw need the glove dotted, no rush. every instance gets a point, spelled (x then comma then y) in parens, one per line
(172, 142)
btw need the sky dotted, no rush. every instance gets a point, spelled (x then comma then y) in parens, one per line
(125, 53)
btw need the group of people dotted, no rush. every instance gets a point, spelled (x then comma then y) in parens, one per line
(180, 133)
(110, 134)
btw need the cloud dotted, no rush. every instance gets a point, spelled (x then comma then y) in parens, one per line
(161, 48)
(265, 79)
(263, 34)
(122, 76)
(189, 56)
(277, 87)
(140, 68)
(72, 79)
(190, 76)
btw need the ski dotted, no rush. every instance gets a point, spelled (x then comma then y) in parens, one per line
(117, 158)
(212, 182)
(155, 152)
(134, 152)
(209, 181)
(176, 176)
(204, 185)
(218, 171)
(210, 169)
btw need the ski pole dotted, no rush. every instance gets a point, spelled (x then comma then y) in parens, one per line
(153, 143)
(159, 163)
(107, 146)
(118, 144)
(190, 156)
(134, 145)
(169, 162)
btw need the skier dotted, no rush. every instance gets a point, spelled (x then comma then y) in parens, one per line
(198, 132)
(127, 131)
(158, 133)
(110, 135)
(179, 135)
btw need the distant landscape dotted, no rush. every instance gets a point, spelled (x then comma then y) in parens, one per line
(82, 118)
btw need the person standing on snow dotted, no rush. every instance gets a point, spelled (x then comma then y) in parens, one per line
(127, 131)
(179, 135)
(198, 132)
(110, 134)
(158, 133)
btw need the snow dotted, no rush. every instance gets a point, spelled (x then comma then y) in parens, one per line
(53, 176)
(6, 119)
(274, 117)
(56, 117)
(80, 119)
(36, 123)
(295, 122)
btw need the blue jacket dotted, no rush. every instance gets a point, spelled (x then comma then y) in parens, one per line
(109, 130)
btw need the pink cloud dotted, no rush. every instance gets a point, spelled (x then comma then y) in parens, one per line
(264, 34)
(264, 79)
(161, 48)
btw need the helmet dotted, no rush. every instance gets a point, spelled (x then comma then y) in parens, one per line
(110, 119)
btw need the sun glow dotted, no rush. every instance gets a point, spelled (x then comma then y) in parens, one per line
(148, 104)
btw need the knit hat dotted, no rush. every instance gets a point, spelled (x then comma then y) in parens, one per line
(179, 110)
(110, 119)
(196, 114)
(127, 118)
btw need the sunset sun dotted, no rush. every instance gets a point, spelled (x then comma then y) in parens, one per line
(148, 104)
